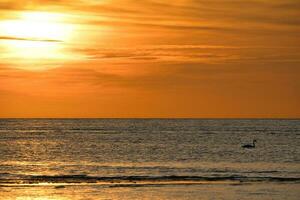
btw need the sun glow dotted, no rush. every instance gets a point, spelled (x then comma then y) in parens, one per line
(35, 37)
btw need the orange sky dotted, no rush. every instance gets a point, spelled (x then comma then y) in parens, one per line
(150, 58)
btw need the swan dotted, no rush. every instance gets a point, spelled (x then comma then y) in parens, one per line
(250, 145)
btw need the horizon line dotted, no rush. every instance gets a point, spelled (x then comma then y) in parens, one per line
(200, 118)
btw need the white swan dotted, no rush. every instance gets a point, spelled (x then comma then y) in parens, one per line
(250, 145)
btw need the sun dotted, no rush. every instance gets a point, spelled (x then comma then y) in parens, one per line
(36, 26)
(35, 39)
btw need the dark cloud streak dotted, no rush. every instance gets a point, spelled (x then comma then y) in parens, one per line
(28, 39)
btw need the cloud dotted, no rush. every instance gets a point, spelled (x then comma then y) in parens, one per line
(31, 4)
(161, 54)
(28, 39)
(279, 12)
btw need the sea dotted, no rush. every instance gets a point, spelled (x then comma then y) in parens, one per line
(71, 159)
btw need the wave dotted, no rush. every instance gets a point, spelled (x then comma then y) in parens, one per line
(25, 179)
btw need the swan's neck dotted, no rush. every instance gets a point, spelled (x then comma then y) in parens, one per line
(254, 143)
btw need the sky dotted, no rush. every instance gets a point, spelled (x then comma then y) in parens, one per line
(150, 58)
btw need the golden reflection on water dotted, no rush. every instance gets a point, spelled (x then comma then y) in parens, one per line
(36, 193)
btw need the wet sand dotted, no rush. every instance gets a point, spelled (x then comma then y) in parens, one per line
(160, 191)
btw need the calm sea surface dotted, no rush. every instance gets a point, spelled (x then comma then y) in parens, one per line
(149, 159)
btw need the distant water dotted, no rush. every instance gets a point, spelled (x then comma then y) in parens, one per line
(163, 153)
